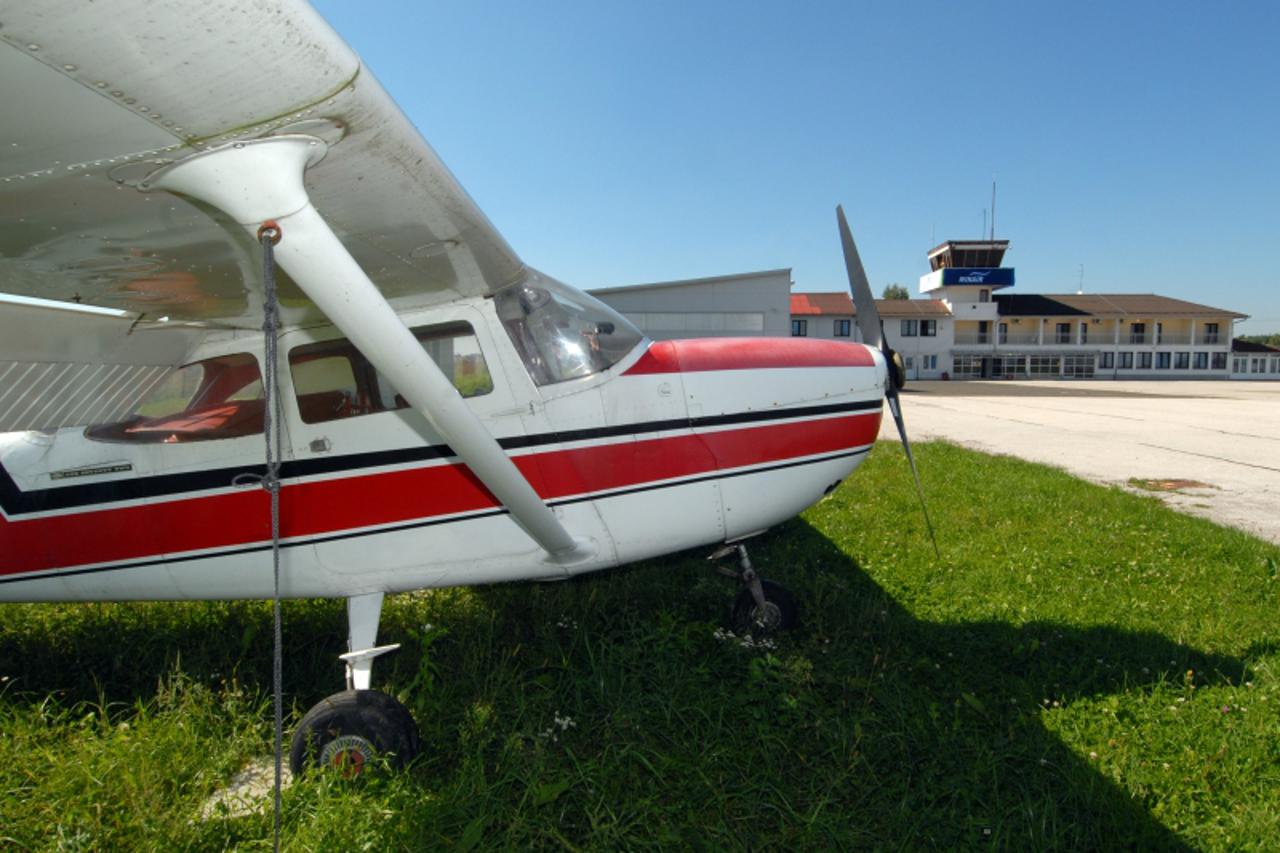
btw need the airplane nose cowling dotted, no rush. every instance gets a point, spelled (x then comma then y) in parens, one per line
(783, 419)
(725, 375)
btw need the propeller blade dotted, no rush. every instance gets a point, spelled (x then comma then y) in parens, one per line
(864, 302)
(891, 395)
(872, 328)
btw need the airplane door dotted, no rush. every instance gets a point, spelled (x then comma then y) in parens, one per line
(373, 475)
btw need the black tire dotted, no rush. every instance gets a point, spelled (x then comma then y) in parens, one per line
(780, 612)
(348, 730)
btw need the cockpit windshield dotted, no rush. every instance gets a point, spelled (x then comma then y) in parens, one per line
(562, 333)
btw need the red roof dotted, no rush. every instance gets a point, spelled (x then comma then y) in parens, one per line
(839, 304)
(821, 303)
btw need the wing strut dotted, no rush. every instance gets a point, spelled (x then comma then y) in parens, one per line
(260, 181)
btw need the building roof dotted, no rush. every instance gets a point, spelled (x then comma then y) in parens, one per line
(839, 304)
(1238, 345)
(968, 253)
(809, 304)
(685, 282)
(1033, 305)
(1135, 305)
(912, 308)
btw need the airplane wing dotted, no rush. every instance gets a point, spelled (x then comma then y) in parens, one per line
(98, 95)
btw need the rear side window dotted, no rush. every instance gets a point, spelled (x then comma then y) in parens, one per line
(216, 398)
(333, 380)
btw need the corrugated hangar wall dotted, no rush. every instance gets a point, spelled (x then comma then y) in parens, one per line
(756, 303)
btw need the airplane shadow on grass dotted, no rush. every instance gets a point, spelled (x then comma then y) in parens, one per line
(950, 716)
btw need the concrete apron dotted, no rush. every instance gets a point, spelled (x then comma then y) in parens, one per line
(1210, 449)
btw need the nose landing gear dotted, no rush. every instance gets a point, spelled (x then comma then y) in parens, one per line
(762, 607)
(349, 730)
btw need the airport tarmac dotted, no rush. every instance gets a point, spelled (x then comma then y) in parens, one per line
(1207, 448)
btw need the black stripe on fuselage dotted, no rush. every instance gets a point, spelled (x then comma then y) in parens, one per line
(16, 502)
(430, 522)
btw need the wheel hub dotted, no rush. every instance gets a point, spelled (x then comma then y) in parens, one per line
(347, 754)
(768, 617)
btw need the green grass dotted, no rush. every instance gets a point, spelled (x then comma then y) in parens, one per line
(1083, 669)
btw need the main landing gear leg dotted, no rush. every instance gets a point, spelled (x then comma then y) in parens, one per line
(762, 606)
(348, 730)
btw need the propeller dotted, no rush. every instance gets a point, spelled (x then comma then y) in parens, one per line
(872, 329)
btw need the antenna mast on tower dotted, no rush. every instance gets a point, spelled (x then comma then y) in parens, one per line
(993, 207)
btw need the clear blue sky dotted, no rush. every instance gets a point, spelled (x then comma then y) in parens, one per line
(618, 143)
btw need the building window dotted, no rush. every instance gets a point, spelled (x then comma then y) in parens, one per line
(1239, 365)
(1275, 364)
(799, 328)
(1043, 365)
(1257, 365)
(928, 328)
(1202, 361)
(1084, 333)
(1163, 360)
(1126, 361)
(1219, 361)
(984, 295)
(1078, 365)
(930, 362)
(1211, 334)
(1002, 333)
(910, 363)
(966, 366)
(909, 328)
(1137, 333)
(1107, 360)
(1063, 334)
(1159, 332)
(1182, 361)
(1144, 360)
(842, 328)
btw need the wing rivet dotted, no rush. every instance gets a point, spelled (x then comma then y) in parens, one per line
(270, 229)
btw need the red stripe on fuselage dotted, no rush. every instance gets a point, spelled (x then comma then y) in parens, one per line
(318, 507)
(699, 355)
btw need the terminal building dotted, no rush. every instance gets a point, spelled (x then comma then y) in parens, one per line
(968, 326)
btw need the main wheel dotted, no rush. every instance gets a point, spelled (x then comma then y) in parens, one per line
(779, 613)
(348, 730)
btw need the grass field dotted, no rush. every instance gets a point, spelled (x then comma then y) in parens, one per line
(1083, 669)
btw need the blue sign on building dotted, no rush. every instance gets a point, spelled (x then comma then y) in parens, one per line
(989, 277)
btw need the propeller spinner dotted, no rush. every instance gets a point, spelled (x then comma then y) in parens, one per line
(872, 329)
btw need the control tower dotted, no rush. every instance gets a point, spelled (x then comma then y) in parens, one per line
(963, 267)
(963, 275)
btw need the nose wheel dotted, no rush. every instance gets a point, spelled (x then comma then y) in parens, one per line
(778, 613)
(762, 606)
(350, 730)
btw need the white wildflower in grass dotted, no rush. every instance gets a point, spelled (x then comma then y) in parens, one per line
(746, 641)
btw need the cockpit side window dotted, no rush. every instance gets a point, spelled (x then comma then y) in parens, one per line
(215, 398)
(333, 380)
(562, 333)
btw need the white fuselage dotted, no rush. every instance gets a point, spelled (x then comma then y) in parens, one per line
(678, 444)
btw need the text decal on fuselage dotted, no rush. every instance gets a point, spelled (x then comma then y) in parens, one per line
(91, 472)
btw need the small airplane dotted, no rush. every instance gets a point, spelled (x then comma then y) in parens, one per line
(229, 261)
